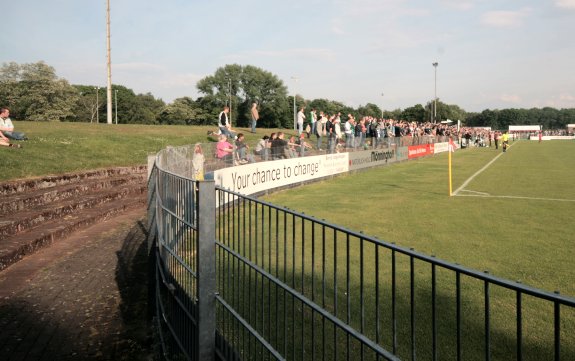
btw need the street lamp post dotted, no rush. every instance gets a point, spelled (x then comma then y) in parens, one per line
(294, 107)
(435, 97)
(97, 105)
(116, 97)
(230, 98)
(382, 106)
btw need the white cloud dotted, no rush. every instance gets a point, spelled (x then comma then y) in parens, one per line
(510, 98)
(138, 67)
(336, 26)
(561, 101)
(505, 19)
(565, 4)
(458, 4)
(295, 53)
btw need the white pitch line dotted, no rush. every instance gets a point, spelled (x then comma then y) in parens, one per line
(478, 173)
(476, 192)
(518, 197)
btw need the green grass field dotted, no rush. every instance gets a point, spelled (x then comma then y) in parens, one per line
(56, 148)
(514, 219)
(529, 238)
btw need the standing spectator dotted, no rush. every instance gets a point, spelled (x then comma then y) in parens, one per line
(337, 126)
(300, 120)
(349, 129)
(255, 116)
(397, 132)
(360, 133)
(330, 133)
(496, 139)
(313, 120)
(7, 127)
(198, 162)
(320, 129)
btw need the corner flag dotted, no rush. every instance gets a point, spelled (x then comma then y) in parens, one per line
(452, 148)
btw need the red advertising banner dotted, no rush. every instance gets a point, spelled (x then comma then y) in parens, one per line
(416, 151)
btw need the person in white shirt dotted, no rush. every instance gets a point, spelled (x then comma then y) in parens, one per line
(300, 120)
(7, 128)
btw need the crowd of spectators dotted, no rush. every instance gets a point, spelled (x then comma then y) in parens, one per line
(556, 132)
(322, 132)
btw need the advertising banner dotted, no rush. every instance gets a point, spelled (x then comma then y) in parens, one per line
(257, 177)
(441, 147)
(416, 151)
(371, 158)
(402, 153)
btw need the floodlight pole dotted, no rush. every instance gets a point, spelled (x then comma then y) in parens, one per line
(230, 94)
(97, 105)
(294, 106)
(435, 97)
(382, 106)
(109, 65)
(116, 97)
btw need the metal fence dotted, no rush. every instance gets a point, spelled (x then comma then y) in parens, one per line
(252, 281)
(179, 159)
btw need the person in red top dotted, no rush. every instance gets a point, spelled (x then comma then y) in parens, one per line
(224, 150)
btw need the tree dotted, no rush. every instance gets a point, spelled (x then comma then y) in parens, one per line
(34, 92)
(183, 111)
(86, 107)
(327, 106)
(244, 85)
(415, 113)
(369, 110)
(143, 109)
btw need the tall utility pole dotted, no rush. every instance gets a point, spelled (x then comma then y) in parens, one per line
(109, 92)
(382, 106)
(97, 105)
(230, 95)
(116, 107)
(294, 107)
(435, 97)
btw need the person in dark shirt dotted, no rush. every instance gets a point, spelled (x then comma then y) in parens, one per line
(279, 146)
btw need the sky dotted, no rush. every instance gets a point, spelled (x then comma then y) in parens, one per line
(491, 54)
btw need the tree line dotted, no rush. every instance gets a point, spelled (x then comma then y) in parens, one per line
(34, 92)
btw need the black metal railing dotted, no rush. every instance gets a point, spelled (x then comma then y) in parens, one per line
(240, 279)
(313, 290)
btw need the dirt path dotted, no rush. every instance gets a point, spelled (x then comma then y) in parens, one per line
(83, 298)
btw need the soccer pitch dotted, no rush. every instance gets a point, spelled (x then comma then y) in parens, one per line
(511, 214)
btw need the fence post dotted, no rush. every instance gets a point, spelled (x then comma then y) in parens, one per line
(206, 270)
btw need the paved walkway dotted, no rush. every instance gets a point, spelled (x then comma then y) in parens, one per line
(83, 298)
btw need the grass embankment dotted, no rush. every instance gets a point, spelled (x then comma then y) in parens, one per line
(56, 148)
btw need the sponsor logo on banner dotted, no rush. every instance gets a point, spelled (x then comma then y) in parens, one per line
(441, 147)
(370, 158)
(416, 151)
(257, 177)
